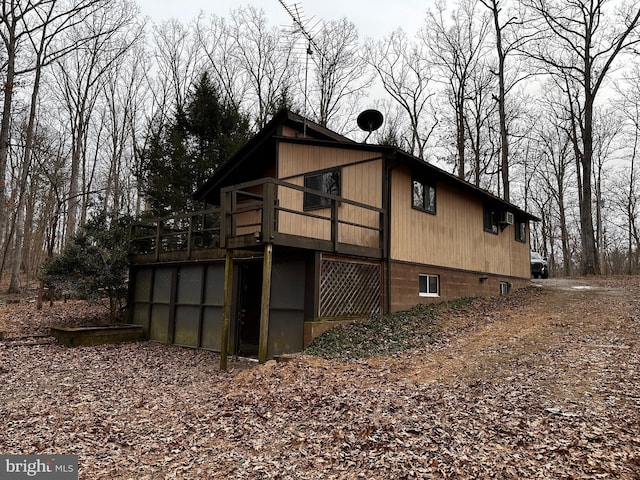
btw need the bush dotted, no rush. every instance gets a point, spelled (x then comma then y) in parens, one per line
(94, 264)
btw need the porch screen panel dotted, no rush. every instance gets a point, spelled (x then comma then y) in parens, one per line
(211, 328)
(161, 305)
(190, 285)
(187, 316)
(142, 292)
(187, 326)
(159, 330)
(162, 285)
(142, 298)
(286, 322)
(212, 311)
(349, 289)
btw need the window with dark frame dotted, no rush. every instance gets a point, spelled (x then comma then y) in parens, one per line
(424, 196)
(327, 181)
(490, 224)
(429, 285)
(521, 231)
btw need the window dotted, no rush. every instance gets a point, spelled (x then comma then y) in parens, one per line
(490, 224)
(504, 288)
(325, 182)
(521, 232)
(429, 285)
(424, 196)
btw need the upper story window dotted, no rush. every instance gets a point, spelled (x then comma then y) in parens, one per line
(521, 231)
(424, 196)
(327, 181)
(490, 220)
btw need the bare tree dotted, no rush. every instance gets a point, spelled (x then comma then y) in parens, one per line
(406, 76)
(627, 197)
(178, 63)
(608, 126)
(580, 42)
(480, 110)
(221, 52)
(51, 20)
(556, 153)
(266, 57)
(341, 75)
(509, 39)
(455, 52)
(14, 30)
(124, 92)
(80, 76)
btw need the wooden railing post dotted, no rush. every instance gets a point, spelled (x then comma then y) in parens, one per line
(158, 228)
(334, 224)
(268, 219)
(225, 229)
(226, 309)
(382, 239)
(189, 235)
(266, 301)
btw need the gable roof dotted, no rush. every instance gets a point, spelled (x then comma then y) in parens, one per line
(259, 153)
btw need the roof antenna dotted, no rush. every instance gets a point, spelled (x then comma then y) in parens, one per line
(299, 26)
(370, 121)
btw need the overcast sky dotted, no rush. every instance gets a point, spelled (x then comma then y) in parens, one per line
(373, 18)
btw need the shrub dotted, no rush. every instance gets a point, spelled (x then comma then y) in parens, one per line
(94, 264)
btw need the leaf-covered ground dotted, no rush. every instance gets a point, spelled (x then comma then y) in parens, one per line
(540, 384)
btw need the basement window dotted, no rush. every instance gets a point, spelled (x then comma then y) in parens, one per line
(429, 285)
(327, 181)
(504, 288)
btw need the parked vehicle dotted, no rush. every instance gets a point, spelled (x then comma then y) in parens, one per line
(539, 267)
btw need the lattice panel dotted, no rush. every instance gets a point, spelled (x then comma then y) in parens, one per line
(349, 289)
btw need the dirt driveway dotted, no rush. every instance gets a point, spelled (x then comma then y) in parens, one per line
(574, 331)
(539, 384)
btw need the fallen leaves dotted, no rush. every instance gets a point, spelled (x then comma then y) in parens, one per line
(513, 389)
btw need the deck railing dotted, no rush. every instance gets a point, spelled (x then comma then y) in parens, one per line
(263, 211)
(179, 233)
(271, 210)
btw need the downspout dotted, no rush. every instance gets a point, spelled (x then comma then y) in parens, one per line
(388, 227)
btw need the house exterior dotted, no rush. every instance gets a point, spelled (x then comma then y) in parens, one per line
(309, 229)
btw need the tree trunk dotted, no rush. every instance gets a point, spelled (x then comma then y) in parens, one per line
(502, 113)
(16, 261)
(590, 264)
(74, 185)
(4, 130)
(564, 232)
(460, 137)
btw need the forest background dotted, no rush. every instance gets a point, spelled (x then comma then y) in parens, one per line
(536, 101)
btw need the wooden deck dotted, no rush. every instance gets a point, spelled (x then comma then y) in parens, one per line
(266, 211)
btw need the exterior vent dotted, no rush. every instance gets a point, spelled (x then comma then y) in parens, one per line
(505, 218)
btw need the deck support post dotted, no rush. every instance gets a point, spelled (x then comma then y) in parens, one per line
(266, 301)
(226, 309)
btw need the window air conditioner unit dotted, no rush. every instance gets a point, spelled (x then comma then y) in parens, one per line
(505, 218)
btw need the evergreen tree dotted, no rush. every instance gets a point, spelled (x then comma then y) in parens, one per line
(94, 264)
(181, 155)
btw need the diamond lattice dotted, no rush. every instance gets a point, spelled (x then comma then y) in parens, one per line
(349, 289)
